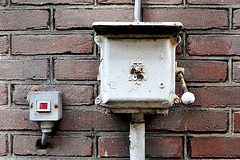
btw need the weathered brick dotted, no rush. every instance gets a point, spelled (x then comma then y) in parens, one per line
(213, 1)
(72, 94)
(215, 147)
(23, 19)
(93, 120)
(16, 119)
(189, 120)
(58, 146)
(204, 71)
(179, 50)
(162, 1)
(113, 147)
(23, 69)
(51, 44)
(155, 147)
(143, 1)
(83, 18)
(55, 2)
(236, 19)
(76, 69)
(3, 144)
(115, 2)
(236, 71)
(165, 147)
(3, 94)
(214, 45)
(3, 45)
(237, 122)
(216, 96)
(3, 2)
(203, 19)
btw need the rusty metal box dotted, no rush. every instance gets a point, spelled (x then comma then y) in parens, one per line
(137, 64)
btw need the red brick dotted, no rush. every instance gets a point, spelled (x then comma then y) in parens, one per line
(3, 45)
(155, 147)
(58, 146)
(3, 94)
(214, 2)
(214, 45)
(83, 18)
(23, 69)
(3, 144)
(237, 122)
(179, 50)
(72, 94)
(23, 19)
(236, 19)
(215, 147)
(16, 119)
(55, 2)
(93, 120)
(236, 71)
(143, 2)
(189, 120)
(204, 71)
(203, 19)
(76, 69)
(113, 147)
(216, 96)
(165, 147)
(51, 44)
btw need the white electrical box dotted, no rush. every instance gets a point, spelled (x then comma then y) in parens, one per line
(137, 64)
(45, 106)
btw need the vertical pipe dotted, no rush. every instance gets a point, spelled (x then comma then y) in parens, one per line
(137, 11)
(44, 138)
(137, 137)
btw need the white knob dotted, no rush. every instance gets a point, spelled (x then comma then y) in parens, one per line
(188, 98)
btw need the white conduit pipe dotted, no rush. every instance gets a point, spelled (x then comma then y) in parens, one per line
(44, 138)
(46, 127)
(137, 137)
(137, 11)
(137, 125)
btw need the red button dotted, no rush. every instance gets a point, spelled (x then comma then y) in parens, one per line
(43, 105)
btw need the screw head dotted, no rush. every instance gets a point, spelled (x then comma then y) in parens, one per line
(162, 85)
(56, 106)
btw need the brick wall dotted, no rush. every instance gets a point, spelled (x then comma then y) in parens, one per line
(50, 44)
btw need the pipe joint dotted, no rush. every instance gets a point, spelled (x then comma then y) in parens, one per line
(46, 127)
(138, 118)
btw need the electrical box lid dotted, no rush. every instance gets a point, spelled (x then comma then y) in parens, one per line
(104, 28)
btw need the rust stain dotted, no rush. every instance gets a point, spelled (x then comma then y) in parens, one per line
(31, 106)
(33, 89)
(176, 100)
(183, 84)
(175, 40)
(56, 106)
(100, 62)
(137, 72)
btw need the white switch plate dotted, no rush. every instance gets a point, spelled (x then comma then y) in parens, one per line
(54, 109)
